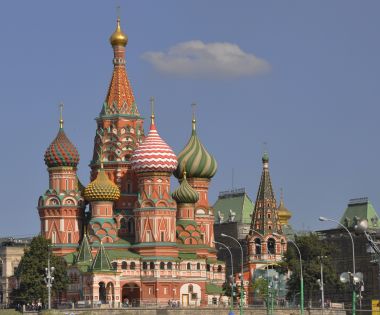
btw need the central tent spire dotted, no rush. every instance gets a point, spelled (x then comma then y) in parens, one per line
(120, 98)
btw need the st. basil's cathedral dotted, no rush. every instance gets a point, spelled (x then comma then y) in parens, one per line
(138, 241)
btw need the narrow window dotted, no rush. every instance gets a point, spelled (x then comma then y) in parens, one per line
(69, 237)
(162, 236)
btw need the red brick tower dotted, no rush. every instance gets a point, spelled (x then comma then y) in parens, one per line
(266, 242)
(155, 210)
(119, 132)
(61, 208)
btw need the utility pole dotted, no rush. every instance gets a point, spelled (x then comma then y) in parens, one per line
(322, 283)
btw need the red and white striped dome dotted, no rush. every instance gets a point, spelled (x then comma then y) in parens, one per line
(153, 154)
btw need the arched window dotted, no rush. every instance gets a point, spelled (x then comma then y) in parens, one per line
(151, 265)
(124, 265)
(191, 288)
(114, 265)
(162, 265)
(132, 266)
(258, 246)
(170, 265)
(188, 266)
(198, 266)
(145, 265)
(271, 246)
(208, 267)
(220, 268)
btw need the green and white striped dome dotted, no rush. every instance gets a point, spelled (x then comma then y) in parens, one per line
(195, 160)
(185, 193)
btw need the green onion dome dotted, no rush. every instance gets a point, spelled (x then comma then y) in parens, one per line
(195, 160)
(265, 157)
(102, 189)
(61, 152)
(185, 193)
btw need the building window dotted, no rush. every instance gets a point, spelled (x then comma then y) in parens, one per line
(114, 265)
(151, 265)
(132, 266)
(170, 265)
(69, 238)
(191, 289)
(162, 236)
(271, 246)
(145, 265)
(124, 265)
(162, 265)
(54, 237)
(198, 266)
(188, 266)
(220, 268)
(67, 184)
(129, 188)
(208, 267)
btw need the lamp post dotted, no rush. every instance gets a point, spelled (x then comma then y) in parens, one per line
(232, 273)
(49, 278)
(241, 274)
(322, 284)
(353, 260)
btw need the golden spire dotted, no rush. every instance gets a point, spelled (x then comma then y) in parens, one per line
(61, 116)
(152, 110)
(118, 38)
(193, 120)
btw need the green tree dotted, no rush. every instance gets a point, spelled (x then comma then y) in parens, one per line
(260, 288)
(311, 248)
(31, 273)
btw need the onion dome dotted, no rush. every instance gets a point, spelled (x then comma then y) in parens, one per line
(102, 189)
(284, 214)
(195, 159)
(118, 38)
(185, 193)
(61, 152)
(153, 154)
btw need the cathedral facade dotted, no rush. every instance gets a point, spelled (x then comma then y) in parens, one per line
(126, 236)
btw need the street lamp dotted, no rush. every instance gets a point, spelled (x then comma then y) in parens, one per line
(49, 278)
(301, 273)
(241, 274)
(353, 260)
(232, 273)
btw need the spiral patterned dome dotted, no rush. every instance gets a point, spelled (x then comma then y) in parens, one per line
(195, 160)
(153, 154)
(102, 189)
(61, 152)
(185, 193)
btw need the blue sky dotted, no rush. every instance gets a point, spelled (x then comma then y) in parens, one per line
(302, 76)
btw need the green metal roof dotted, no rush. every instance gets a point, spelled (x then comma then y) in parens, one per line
(84, 250)
(237, 201)
(213, 289)
(358, 209)
(185, 256)
(121, 254)
(69, 258)
(101, 261)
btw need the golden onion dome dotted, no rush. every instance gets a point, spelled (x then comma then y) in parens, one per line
(118, 38)
(284, 214)
(102, 189)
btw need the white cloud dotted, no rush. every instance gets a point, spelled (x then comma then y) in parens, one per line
(197, 59)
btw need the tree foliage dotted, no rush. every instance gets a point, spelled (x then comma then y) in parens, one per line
(312, 251)
(31, 274)
(260, 287)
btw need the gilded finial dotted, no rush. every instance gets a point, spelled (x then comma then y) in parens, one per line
(118, 38)
(152, 110)
(61, 115)
(193, 106)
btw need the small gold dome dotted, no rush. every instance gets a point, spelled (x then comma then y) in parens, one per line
(284, 214)
(102, 189)
(118, 38)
